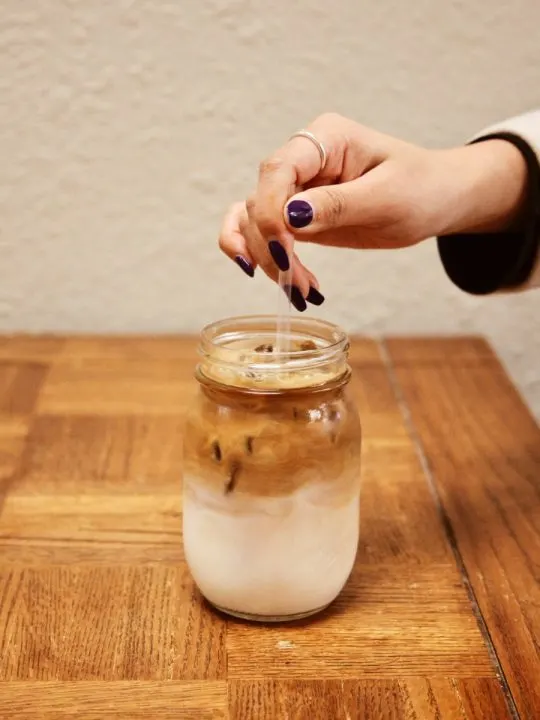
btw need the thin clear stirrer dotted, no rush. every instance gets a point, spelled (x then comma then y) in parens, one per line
(283, 324)
(283, 328)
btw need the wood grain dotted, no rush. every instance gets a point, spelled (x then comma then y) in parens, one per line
(390, 621)
(92, 528)
(99, 616)
(483, 451)
(93, 700)
(106, 622)
(114, 454)
(20, 384)
(410, 699)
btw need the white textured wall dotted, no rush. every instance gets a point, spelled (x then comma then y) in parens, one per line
(127, 127)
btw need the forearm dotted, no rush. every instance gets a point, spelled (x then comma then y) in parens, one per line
(493, 190)
(492, 242)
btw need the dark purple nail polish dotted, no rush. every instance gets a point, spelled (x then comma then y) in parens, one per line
(314, 296)
(300, 213)
(246, 266)
(297, 298)
(279, 255)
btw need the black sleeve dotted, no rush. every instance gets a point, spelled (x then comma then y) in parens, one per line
(481, 264)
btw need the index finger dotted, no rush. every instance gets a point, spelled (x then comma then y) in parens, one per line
(350, 150)
(280, 177)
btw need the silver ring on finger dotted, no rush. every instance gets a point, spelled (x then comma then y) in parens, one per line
(318, 144)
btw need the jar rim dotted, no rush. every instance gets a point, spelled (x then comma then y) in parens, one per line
(217, 345)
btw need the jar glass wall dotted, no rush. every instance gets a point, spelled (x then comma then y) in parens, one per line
(271, 469)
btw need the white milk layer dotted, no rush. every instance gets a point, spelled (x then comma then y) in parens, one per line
(276, 557)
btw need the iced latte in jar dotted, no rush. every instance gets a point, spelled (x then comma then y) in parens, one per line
(271, 469)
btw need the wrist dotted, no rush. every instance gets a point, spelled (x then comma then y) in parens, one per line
(491, 181)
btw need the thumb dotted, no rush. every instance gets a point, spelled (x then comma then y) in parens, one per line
(329, 207)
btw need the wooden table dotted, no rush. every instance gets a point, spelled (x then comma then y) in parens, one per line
(99, 617)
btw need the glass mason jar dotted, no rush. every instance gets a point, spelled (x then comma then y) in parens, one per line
(271, 469)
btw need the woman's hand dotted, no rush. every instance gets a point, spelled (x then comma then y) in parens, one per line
(375, 191)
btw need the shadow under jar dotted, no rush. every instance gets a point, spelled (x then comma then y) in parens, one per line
(271, 484)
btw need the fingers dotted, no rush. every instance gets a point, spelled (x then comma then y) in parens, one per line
(313, 294)
(366, 202)
(232, 241)
(350, 149)
(295, 276)
(260, 234)
(240, 240)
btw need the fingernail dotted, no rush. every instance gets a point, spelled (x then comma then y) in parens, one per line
(297, 298)
(314, 296)
(279, 255)
(246, 266)
(300, 213)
